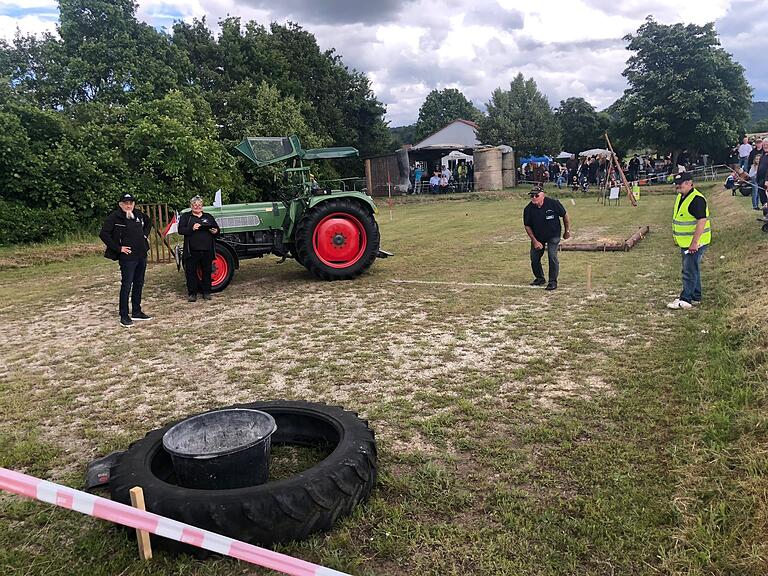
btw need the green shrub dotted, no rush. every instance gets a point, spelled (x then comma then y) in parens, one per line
(20, 224)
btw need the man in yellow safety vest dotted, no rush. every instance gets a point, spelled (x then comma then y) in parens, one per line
(692, 232)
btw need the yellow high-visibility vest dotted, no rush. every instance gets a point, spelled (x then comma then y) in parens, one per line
(684, 225)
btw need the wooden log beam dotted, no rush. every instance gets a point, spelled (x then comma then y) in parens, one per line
(637, 236)
(625, 246)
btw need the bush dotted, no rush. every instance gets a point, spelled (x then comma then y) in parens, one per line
(20, 224)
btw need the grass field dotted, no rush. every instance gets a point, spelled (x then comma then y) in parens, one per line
(520, 432)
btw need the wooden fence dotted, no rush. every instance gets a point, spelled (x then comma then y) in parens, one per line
(160, 250)
(387, 175)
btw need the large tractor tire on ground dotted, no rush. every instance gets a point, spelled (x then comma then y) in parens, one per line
(337, 239)
(279, 511)
(223, 269)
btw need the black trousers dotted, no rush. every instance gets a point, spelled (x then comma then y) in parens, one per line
(131, 284)
(198, 260)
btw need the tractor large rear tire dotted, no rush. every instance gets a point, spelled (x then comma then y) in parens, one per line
(337, 239)
(280, 511)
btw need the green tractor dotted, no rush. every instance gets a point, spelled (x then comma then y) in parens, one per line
(332, 233)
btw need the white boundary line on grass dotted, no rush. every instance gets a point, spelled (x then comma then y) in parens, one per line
(468, 284)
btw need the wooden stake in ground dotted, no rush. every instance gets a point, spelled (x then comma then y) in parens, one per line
(589, 277)
(145, 547)
(630, 194)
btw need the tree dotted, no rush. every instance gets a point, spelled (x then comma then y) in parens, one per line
(441, 108)
(334, 100)
(580, 124)
(262, 111)
(684, 90)
(112, 105)
(520, 117)
(171, 146)
(112, 56)
(104, 54)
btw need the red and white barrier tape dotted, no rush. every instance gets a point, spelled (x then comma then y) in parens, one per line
(98, 507)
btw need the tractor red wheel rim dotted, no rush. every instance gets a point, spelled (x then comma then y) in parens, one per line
(219, 270)
(339, 240)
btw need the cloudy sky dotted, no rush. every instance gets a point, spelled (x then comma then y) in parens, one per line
(410, 47)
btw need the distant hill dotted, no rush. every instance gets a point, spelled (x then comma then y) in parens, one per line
(404, 134)
(759, 112)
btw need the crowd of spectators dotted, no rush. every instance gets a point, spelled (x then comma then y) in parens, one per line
(583, 173)
(749, 173)
(458, 177)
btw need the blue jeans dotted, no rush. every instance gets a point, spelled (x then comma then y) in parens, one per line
(131, 283)
(692, 275)
(755, 196)
(551, 247)
(744, 162)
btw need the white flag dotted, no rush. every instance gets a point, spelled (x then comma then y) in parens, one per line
(217, 199)
(173, 225)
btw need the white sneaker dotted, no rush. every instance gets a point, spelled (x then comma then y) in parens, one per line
(678, 304)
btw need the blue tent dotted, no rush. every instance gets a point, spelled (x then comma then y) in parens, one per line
(538, 159)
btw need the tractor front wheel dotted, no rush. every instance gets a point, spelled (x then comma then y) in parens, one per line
(337, 239)
(222, 270)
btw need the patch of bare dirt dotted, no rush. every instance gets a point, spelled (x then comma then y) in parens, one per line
(345, 344)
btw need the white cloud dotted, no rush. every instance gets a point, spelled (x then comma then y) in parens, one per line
(8, 5)
(26, 25)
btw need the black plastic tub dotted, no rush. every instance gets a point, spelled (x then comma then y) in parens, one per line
(222, 449)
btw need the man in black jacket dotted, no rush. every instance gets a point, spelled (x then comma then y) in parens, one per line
(199, 229)
(125, 234)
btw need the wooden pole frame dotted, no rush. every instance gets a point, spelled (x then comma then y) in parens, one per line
(630, 194)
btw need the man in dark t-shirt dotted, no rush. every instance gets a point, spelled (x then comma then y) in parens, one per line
(541, 218)
(692, 232)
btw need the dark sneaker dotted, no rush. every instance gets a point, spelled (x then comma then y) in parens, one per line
(538, 282)
(141, 316)
(126, 322)
(551, 286)
(206, 296)
(192, 298)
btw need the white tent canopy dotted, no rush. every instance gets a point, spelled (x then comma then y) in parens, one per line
(595, 152)
(458, 155)
(564, 156)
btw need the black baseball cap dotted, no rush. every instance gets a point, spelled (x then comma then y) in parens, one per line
(535, 192)
(127, 197)
(683, 177)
